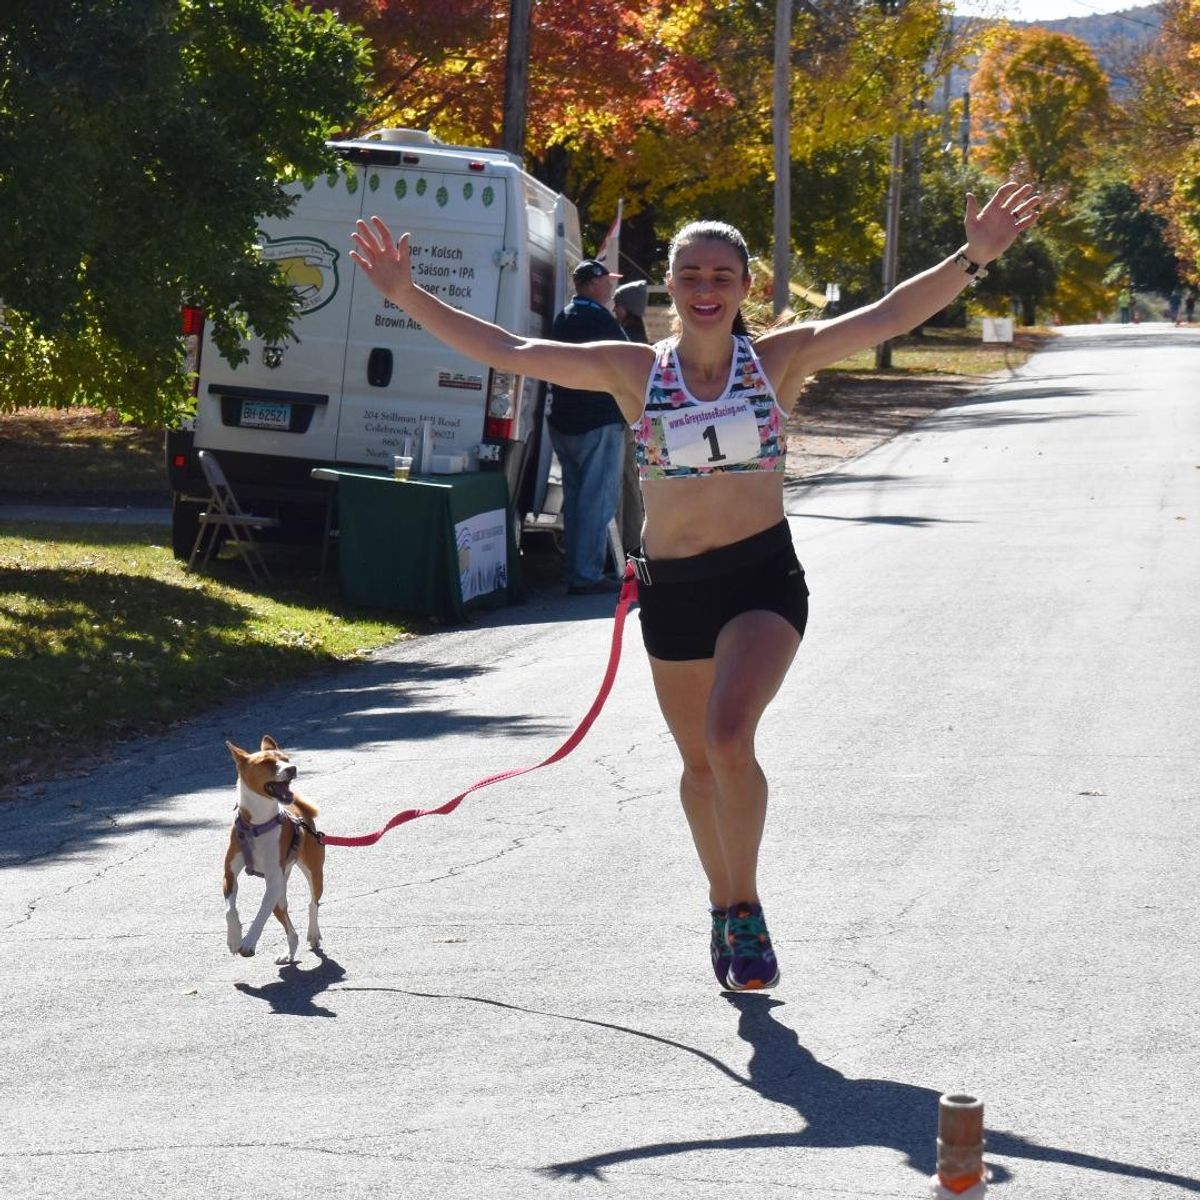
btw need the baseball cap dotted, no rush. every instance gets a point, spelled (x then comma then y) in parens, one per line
(591, 268)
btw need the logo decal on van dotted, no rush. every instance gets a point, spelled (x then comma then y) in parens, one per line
(310, 266)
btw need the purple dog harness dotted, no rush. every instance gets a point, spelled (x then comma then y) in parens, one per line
(246, 833)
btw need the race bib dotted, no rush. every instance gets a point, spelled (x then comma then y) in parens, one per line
(711, 435)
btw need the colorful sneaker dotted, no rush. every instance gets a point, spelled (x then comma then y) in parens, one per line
(752, 962)
(718, 949)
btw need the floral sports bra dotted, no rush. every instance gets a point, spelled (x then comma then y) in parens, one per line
(680, 437)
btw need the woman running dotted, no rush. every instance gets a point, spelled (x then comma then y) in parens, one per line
(722, 597)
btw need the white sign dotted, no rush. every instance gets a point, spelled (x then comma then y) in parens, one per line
(997, 329)
(482, 542)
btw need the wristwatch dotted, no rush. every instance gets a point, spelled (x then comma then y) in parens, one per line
(976, 270)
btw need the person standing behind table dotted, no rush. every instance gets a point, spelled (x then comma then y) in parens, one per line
(629, 305)
(587, 432)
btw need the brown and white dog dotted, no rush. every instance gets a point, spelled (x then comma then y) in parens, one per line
(273, 830)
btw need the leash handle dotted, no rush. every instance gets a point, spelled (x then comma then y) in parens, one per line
(627, 597)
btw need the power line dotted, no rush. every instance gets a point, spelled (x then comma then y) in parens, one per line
(1119, 15)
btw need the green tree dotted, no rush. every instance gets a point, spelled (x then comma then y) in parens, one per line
(140, 143)
(1024, 279)
(932, 215)
(1133, 233)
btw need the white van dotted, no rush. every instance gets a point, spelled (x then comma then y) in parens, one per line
(362, 377)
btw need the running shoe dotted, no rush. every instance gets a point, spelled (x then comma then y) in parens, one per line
(752, 962)
(718, 949)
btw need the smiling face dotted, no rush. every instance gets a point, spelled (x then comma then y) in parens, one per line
(708, 280)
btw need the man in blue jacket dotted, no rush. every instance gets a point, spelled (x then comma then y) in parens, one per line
(587, 431)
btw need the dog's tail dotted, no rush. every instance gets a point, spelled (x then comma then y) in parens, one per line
(303, 809)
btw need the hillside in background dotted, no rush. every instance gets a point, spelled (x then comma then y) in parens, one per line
(1115, 38)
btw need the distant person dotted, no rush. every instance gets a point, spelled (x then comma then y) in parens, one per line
(1174, 304)
(1189, 305)
(629, 306)
(587, 431)
(1125, 305)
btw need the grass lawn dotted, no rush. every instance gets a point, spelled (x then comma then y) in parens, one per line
(103, 635)
(48, 451)
(950, 352)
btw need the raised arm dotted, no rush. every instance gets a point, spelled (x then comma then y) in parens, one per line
(794, 353)
(620, 368)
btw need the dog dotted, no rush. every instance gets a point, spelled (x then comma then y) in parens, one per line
(273, 830)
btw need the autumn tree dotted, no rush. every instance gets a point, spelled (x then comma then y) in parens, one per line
(1164, 116)
(859, 73)
(1040, 106)
(598, 71)
(140, 144)
(1039, 101)
(667, 104)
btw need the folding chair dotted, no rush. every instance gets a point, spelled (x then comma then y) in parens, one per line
(224, 512)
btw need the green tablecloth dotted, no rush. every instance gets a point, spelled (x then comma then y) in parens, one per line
(437, 545)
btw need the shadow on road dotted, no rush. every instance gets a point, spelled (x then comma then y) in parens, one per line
(885, 519)
(352, 707)
(967, 417)
(842, 1113)
(294, 993)
(834, 1112)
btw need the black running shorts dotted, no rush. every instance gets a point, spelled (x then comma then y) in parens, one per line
(684, 603)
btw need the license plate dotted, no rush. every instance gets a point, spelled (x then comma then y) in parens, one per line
(266, 416)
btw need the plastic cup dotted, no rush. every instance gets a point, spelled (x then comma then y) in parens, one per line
(402, 465)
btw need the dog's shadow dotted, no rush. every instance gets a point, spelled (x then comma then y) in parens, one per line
(294, 993)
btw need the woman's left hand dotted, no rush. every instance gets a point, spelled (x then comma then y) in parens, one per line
(992, 229)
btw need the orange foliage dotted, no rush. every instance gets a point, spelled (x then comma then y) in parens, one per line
(597, 70)
(1165, 128)
(1039, 100)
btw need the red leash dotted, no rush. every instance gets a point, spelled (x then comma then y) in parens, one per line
(627, 597)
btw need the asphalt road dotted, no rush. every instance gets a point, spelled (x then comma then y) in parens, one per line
(980, 871)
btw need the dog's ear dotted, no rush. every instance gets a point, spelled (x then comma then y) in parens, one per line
(238, 755)
(269, 743)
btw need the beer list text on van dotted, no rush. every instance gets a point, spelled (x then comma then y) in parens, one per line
(439, 269)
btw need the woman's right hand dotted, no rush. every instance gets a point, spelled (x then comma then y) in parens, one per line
(386, 262)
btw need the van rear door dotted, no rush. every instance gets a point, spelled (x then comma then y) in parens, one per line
(397, 375)
(284, 400)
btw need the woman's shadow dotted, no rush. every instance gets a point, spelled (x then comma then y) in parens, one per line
(842, 1113)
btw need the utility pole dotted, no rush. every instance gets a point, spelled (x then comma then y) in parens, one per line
(883, 352)
(783, 154)
(966, 127)
(516, 77)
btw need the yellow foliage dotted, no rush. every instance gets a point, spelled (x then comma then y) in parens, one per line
(1165, 128)
(1039, 98)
